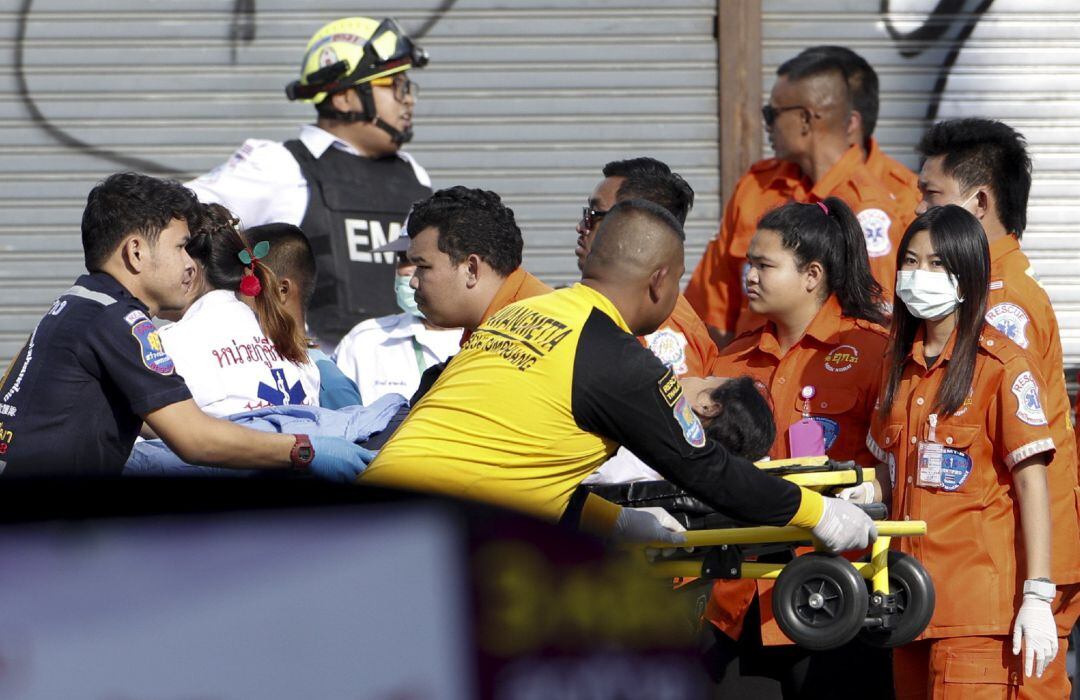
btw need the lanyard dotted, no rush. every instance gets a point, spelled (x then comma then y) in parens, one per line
(421, 363)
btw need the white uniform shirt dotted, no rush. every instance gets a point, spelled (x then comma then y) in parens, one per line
(383, 355)
(261, 183)
(228, 363)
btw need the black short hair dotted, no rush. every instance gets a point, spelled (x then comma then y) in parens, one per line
(745, 425)
(862, 82)
(812, 64)
(648, 178)
(290, 255)
(127, 203)
(471, 222)
(989, 153)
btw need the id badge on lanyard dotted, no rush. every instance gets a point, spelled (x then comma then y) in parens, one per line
(930, 457)
(806, 437)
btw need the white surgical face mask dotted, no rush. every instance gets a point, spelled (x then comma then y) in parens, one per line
(927, 295)
(406, 295)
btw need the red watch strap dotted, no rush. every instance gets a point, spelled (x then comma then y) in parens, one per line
(302, 453)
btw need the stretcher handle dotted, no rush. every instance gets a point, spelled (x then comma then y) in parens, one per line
(876, 511)
(767, 534)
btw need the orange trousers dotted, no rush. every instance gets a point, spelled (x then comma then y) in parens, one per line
(974, 668)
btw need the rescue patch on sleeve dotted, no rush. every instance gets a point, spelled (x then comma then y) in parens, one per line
(153, 353)
(670, 388)
(689, 423)
(875, 227)
(1029, 406)
(670, 347)
(134, 317)
(1011, 320)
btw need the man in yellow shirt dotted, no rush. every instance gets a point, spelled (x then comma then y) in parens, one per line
(547, 388)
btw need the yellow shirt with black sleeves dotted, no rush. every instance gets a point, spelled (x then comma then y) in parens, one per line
(544, 392)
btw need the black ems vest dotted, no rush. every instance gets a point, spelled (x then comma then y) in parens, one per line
(355, 204)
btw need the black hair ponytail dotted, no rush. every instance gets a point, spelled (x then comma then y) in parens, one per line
(217, 245)
(828, 233)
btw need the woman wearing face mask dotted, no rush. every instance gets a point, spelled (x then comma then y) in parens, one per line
(962, 430)
(819, 356)
(388, 354)
(237, 355)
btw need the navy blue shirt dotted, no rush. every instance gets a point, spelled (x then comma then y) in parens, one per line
(72, 401)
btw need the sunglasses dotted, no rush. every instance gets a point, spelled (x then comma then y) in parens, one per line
(591, 217)
(770, 113)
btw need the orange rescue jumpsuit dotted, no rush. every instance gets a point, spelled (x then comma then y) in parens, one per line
(901, 183)
(973, 549)
(1019, 307)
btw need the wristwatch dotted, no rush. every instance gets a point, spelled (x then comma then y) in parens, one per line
(1041, 588)
(302, 453)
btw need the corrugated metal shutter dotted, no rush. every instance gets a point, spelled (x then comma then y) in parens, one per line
(529, 99)
(1020, 64)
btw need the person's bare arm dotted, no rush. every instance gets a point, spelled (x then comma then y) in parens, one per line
(1033, 495)
(201, 439)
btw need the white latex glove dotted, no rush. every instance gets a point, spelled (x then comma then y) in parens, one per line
(1035, 627)
(863, 493)
(844, 526)
(647, 525)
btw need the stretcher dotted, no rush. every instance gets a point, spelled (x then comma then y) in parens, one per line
(821, 600)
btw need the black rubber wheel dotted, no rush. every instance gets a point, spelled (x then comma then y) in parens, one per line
(915, 600)
(820, 601)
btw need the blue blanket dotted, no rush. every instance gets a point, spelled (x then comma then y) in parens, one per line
(354, 423)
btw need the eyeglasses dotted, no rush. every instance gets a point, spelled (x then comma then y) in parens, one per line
(770, 113)
(591, 217)
(402, 86)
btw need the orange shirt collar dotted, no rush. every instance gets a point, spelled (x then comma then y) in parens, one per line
(918, 352)
(838, 174)
(786, 177)
(825, 325)
(1002, 247)
(508, 292)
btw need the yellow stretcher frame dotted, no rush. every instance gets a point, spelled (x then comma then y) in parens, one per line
(876, 570)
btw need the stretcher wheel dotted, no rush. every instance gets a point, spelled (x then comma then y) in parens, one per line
(914, 601)
(820, 601)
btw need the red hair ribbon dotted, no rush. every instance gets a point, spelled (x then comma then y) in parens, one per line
(250, 285)
(823, 208)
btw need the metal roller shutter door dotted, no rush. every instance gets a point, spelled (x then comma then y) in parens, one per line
(529, 99)
(1020, 64)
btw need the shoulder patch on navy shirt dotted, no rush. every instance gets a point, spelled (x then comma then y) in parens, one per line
(153, 353)
(134, 317)
(670, 388)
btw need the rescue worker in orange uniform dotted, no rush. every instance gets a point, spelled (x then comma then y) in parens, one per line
(962, 430)
(811, 125)
(983, 166)
(901, 183)
(819, 357)
(682, 341)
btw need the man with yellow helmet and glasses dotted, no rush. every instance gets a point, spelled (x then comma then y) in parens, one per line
(344, 181)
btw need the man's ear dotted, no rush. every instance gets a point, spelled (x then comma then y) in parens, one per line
(474, 268)
(854, 128)
(656, 282)
(346, 101)
(285, 288)
(983, 201)
(135, 253)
